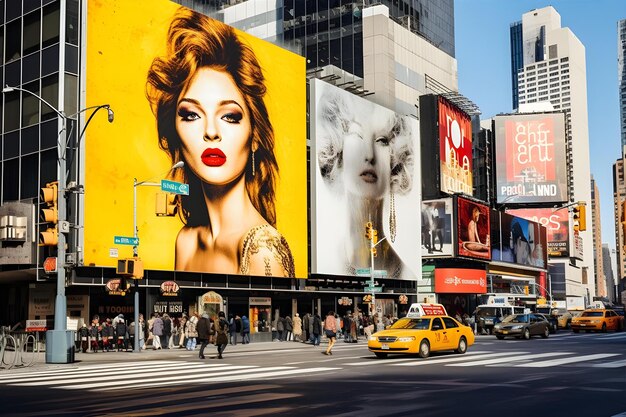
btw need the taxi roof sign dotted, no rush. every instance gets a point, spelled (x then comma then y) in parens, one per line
(426, 309)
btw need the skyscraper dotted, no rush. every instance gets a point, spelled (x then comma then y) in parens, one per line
(598, 254)
(549, 72)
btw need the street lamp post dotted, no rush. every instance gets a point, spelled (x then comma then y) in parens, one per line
(59, 342)
(136, 184)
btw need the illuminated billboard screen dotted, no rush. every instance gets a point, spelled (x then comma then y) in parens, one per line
(530, 158)
(473, 229)
(365, 165)
(437, 228)
(455, 149)
(556, 224)
(518, 240)
(229, 106)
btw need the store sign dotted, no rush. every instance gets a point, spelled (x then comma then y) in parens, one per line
(345, 301)
(169, 307)
(117, 286)
(578, 246)
(260, 301)
(36, 325)
(211, 297)
(170, 289)
(460, 281)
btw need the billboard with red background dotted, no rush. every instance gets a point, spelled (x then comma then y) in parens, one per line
(473, 229)
(455, 149)
(460, 281)
(557, 225)
(530, 158)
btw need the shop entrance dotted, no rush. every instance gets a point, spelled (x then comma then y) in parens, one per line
(210, 303)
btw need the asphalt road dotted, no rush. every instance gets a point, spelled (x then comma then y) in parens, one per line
(565, 375)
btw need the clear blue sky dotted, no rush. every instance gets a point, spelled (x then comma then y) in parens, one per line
(484, 64)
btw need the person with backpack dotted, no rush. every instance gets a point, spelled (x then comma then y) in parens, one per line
(245, 330)
(221, 328)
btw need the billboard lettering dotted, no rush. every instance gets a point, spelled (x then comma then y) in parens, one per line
(460, 281)
(455, 149)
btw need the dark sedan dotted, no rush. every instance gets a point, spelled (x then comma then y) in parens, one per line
(522, 326)
(553, 321)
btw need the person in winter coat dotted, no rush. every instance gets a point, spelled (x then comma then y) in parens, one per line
(245, 330)
(288, 328)
(107, 335)
(94, 333)
(83, 333)
(167, 332)
(280, 328)
(297, 328)
(157, 332)
(316, 329)
(232, 329)
(192, 332)
(221, 329)
(306, 334)
(202, 328)
(122, 335)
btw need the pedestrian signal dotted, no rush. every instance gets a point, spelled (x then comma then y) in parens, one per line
(132, 267)
(48, 194)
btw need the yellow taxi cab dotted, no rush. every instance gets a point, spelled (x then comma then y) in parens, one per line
(426, 328)
(597, 319)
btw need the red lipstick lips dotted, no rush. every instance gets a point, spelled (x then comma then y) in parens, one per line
(369, 176)
(213, 157)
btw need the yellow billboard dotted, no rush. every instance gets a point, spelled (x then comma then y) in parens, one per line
(227, 109)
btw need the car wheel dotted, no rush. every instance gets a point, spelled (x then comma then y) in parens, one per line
(546, 333)
(462, 346)
(603, 327)
(499, 336)
(526, 334)
(380, 355)
(424, 349)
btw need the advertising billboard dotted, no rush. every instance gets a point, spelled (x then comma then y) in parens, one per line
(231, 107)
(460, 281)
(437, 228)
(557, 226)
(530, 158)
(473, 229)
(365, 168)
(455, 149)
(517, 240)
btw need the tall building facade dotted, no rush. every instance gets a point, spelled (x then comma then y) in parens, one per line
(607, 260)
(621, 74)
(551, 71)
(598, 253)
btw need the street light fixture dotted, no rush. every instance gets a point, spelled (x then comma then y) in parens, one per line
(59, 342)
(146, 183)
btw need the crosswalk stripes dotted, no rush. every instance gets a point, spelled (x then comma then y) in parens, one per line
(143, 374)
(563, 361)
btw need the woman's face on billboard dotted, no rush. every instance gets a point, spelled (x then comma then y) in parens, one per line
(213, 123)
(367, 156)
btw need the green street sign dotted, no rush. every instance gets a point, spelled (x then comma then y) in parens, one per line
(123, 240)
(363, 271)
(174, 187)
(373, 289)
(380, 273)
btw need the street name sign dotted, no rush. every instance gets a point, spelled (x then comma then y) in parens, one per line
(363, 272)
(123, 240)
(174, 187)
(373, 289)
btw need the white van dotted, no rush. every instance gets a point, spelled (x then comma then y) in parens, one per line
(487, 315)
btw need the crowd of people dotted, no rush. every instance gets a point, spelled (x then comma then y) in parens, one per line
(164, 332)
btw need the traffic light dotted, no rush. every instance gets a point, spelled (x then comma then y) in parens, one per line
(579, 216)
(166, 204)
(526, 289)
(374, 237)
(49, 214)
(368, 230)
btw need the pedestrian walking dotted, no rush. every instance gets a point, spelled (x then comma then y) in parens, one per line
(94, 334)
(203, 328)
(192, 332)
(316, 329)
(280, 328)
(142, 332)
(157, 332)
(167, 331)
(288, 328)
(107, 335)
(83, 333)
(245, 330)
(330, 328)
(305, 327)
(221, 329)
(150, 338)
(182, 332)
(297, 328)
(121, 330)
(232, 329)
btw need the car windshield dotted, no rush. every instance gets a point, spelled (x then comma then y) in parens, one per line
(516, 318)
(592, 314)
(416, 324)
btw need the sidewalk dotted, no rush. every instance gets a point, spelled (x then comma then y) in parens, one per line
(150, 354)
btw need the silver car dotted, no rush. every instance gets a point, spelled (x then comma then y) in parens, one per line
(522, 326)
